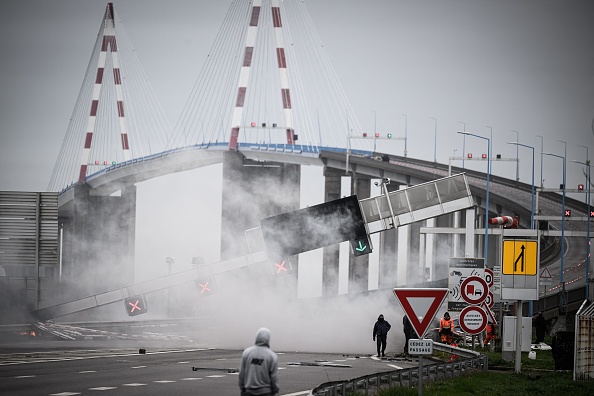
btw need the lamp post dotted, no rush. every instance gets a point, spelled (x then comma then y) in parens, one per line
(374, 129)
(532, 211)
(561, 276)
(434, 139)
(587, 157)
(486, 243)
(490, 134)
(463, 142)
(541, 151)
(587, 163)
(517, 156)
(405, 134)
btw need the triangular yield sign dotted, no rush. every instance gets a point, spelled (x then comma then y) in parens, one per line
(420, 303)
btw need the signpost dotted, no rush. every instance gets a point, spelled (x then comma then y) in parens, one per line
(461, 268)
(421, 306)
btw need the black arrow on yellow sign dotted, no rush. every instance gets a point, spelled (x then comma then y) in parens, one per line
(520, 256)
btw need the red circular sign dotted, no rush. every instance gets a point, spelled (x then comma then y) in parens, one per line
(490, 300)
(474, 290)
(489, 277)
(473, 320)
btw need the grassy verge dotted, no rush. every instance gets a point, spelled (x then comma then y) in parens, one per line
(538, 377)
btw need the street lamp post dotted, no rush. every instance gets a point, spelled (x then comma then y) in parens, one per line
(374, 129)
(405, 134)
(486, 243)
(561, 276)
(532, 211)
(587, 163)
(541, 151)
(463, 142)
(434, 140)
(517, 156)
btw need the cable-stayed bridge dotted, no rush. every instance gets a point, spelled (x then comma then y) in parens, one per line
(266, 102)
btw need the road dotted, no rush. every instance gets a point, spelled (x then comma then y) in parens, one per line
(84, 368)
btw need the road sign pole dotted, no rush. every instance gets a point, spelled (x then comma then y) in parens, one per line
(518, 367)
(420, 375)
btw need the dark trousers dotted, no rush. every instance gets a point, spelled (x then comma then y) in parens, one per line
(381, 343)
(406, 338)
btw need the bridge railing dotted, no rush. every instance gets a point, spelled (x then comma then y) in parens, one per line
(408, 377)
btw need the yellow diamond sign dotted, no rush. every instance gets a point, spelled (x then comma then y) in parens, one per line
(519, 257)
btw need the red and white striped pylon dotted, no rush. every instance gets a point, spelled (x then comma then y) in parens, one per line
(108, 43)
(246, 70)
(244, 73)
(282, 67)
(506, 221)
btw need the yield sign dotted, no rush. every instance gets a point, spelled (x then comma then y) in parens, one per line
(421, 306)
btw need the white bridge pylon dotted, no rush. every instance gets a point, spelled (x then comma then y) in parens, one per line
(381, 213)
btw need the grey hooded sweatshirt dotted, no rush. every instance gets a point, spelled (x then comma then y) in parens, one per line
(258, 374)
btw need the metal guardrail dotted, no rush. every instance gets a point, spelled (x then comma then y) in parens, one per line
(369, 384)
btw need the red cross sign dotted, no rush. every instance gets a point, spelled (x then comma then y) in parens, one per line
(135, 305)
(282, 267)
(206, 287)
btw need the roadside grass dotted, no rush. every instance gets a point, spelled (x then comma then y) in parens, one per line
(537, 377)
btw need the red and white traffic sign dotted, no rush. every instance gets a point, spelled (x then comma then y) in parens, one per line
(490, 300)
(489, 277)
(473, 319)
(545, 274)
(474, 290)
(490, 315)
(421, 306)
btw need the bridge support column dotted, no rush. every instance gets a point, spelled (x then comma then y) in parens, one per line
(444, 249)
(98, 240)
(331, 254)
(252, 191)
(388, 253)
(359, 266)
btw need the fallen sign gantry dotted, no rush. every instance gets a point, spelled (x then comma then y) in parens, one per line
(390, 210)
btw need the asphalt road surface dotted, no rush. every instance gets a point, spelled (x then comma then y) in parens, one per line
(71, 369)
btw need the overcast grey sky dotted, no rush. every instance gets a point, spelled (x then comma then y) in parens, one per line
(523, 65)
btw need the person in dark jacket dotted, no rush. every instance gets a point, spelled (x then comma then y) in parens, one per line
(258, 373)
(409, 332)
(541, 326)
(380, 331)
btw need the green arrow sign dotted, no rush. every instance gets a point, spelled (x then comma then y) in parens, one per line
(361, 247)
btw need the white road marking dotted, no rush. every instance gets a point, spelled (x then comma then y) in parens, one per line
(297, 393)
(102, 388)
(65, 394)
(394, 366)
(137, 367)
(163, 381)
(25, 376)
(190, 379)
(87, 371)
(133, 384)
(46, 360)
(183, 362)
(215, 376)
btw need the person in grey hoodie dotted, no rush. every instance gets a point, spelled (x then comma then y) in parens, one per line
(258, 374)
